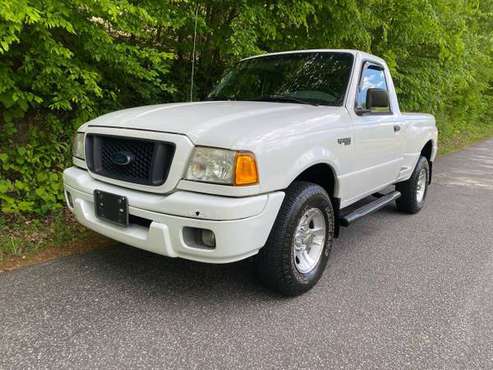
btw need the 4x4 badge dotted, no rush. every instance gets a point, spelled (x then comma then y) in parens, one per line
(344, 140)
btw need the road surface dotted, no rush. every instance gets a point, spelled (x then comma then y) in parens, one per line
(402, 292)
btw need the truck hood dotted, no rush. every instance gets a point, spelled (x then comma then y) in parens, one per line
(228, 124)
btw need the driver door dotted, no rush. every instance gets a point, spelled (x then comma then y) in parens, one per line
(378, 144)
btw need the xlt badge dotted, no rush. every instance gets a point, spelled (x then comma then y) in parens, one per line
(344, 140)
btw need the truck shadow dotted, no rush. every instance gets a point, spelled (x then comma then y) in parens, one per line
(145, 274)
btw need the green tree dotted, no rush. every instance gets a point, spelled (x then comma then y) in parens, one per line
(63, 62)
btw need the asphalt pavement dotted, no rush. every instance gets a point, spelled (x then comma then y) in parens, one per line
(400, 291)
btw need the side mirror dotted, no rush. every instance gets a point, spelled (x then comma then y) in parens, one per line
(377, 98)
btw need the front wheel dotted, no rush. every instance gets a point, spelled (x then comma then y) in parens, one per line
(298, 247)
(414, 190)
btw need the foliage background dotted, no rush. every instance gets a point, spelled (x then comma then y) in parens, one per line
(64, 62)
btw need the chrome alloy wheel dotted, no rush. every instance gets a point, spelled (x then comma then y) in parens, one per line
(309, 240)
(421, 186)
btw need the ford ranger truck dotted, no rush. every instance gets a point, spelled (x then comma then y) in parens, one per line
(266, 167)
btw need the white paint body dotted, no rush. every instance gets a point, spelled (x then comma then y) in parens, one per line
(286, 139)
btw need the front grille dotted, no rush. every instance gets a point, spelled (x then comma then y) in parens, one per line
(133, 160)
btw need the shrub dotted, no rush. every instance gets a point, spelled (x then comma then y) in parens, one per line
(64, 62)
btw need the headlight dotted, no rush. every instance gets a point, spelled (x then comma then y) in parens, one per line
(78, 146)
(222, 166)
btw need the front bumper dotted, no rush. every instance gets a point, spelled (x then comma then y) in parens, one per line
(241, 225)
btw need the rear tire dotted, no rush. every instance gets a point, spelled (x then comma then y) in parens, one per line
(298, 247)
(414, 190)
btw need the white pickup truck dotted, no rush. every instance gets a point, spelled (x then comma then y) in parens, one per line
(267, 166)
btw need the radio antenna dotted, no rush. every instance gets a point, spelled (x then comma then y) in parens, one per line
(193, 51)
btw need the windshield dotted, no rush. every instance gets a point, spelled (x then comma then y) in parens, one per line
(309, 78)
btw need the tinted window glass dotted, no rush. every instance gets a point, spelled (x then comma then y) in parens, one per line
(373, 77)
(320, 78)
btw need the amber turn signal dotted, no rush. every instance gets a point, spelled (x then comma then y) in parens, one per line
(245, 169)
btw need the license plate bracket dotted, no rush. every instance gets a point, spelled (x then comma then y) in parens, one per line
(111, 207)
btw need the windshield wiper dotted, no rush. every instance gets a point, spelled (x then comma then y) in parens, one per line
(284, 98)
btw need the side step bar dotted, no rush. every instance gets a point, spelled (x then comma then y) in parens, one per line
(371, 207)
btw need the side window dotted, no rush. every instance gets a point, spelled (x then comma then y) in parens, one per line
(373, 77)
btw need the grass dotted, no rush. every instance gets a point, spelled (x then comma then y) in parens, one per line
(457, 135)
(21, 236)
(24, 240)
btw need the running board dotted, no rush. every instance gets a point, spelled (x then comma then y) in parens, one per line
(371, 207)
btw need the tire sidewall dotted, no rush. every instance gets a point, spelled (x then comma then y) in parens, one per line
(320, 201)
(423, 164)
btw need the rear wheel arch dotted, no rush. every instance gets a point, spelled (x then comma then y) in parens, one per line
(413, 191)
(427, 152)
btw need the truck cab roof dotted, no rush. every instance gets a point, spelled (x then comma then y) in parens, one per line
(356, 53)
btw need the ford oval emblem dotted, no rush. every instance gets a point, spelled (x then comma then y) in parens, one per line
(122, 158)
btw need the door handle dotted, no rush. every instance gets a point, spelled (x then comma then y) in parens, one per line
(397, 128)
